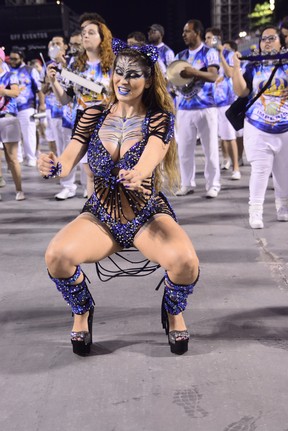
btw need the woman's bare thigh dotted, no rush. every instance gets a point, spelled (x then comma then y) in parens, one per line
(85, 239)
(162, 240)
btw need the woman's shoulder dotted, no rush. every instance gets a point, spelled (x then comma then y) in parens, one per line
(160, 116)
(161, 124)
(94, 110)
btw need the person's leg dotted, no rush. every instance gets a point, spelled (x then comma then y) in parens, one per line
(68, 183)
(28, 129)
(83, 240)
(186, 137)
(10, 135)
(163, 241)
(260, 155)
(208, 133)
(233, 153)
(11, 155)
(227, 134)
(280, 176)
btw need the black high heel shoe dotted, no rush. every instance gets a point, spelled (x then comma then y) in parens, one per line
(178, 340)
(81, 341)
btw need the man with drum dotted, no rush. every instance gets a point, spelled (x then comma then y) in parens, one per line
(196, 111)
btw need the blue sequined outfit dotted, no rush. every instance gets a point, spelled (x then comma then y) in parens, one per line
(123, 211)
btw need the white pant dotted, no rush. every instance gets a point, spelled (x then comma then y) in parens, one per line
(49, 131)
(62, 138)
(266, 152)
(200, 123)
(225, 129)
(28, 131)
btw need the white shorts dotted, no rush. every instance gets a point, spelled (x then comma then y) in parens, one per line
(225, 129)
(9, 129)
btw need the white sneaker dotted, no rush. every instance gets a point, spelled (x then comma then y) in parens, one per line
(212, 193)
(31, 163)
(236, 175)
(2, 182)
(85, 194)
(255, 216)
(20, 196)
(225, 165)
(64, 194)
(185, 190)
(282, 214)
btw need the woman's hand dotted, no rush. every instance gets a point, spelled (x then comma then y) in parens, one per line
(51, 72)
(132, 180)
(236, 60)
(46, 164)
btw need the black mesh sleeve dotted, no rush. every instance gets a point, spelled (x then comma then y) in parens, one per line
(162, 125)
(86, 125)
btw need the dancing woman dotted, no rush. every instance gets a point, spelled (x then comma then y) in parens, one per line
(129, 145)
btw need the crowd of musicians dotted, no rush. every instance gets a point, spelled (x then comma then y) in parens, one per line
(39, 107)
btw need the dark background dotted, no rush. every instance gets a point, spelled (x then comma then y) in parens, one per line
(29, 28)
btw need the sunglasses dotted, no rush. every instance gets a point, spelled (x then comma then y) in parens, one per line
(271, 38)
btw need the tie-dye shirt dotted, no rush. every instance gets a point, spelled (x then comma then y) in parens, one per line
(8, 105)
(201, 95)
(223, 87)
(29, 85)
(270, 111)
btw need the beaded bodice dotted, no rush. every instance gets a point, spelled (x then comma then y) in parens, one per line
(102, 131)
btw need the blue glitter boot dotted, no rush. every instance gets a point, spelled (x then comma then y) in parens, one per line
(174, 302)
(80, 300)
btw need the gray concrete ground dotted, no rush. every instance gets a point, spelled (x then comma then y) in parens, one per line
(234, 376)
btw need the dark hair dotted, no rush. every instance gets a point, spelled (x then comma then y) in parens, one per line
(62, 37)
(137, 35)
(91, 16)
(215, 31)
(75, 33)
(197, 26)
(18, 52)
(232, 44)
(278, 32)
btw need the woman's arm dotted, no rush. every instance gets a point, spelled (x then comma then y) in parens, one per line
(48, 162)
(228, 70)
(50, 165)
(208, 76)
(59, 91)
(239, 84)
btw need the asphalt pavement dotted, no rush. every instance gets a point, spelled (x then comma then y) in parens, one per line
(234, 376)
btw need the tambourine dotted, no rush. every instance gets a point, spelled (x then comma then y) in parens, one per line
(173, 73)
(188, 87)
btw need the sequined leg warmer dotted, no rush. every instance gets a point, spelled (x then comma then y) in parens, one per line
(175, 295)
(76, 295)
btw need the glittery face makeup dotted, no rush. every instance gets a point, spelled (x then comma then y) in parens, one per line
(128, 68)
(128, 78)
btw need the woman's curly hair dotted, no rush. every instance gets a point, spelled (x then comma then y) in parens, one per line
(106, 53)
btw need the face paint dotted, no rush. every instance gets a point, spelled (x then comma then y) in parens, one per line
(129, 78)
(128, 68)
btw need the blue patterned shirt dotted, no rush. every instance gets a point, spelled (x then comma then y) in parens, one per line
(202, 94)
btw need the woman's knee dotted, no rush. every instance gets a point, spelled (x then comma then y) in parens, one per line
(59, 259)
(183, 261)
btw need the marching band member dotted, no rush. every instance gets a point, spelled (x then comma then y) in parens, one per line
(197, 115)
(265, 128)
